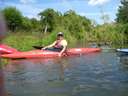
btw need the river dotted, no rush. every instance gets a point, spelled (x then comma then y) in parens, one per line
(94, 74)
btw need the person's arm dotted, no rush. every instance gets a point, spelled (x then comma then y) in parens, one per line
(61, 52)
(51, 45)
(64, 47)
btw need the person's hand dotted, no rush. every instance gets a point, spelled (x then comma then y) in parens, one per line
(60, 54)
(43, 48)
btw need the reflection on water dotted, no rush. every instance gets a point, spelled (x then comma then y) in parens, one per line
(96, 74)
(123, 59)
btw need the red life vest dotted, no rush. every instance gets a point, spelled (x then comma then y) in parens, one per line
(58, 44)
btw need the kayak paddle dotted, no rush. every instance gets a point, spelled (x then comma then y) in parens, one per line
(37, 47)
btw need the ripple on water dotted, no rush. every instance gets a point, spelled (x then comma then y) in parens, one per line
(97, 74)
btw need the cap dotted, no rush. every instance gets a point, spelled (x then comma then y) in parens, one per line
(60, 34)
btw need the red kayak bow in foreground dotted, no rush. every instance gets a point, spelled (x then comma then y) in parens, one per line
(4, 49)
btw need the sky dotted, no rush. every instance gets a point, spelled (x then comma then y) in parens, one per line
(92, 9)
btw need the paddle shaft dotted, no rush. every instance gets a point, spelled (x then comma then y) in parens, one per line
(37, 47)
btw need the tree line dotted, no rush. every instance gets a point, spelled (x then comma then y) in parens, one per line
(49, 21)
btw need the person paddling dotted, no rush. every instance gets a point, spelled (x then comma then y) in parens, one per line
(59, 45)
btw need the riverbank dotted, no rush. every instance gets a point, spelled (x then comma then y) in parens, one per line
(24, 41)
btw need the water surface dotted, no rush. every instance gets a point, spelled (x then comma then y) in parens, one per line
(95, 74)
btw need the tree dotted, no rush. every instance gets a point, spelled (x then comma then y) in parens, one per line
(36, 25)
(26, 24)
(76, 24)
(122, 15)
(13, 18)
(48, 19)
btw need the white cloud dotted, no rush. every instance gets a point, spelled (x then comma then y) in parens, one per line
(27, 1)
(97, 2)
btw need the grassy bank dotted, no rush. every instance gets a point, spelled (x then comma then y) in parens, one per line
(24, 41)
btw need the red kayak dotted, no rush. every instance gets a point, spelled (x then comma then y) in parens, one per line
(49, 54)
(4, 49)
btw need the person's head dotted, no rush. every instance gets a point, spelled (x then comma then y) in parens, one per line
(60, 35)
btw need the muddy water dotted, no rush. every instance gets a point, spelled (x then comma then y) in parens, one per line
(95, 74)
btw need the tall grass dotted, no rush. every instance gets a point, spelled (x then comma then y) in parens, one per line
(108, 33)
(21, 41)
(24, 41)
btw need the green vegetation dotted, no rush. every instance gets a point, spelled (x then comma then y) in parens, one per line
(13, 18)
(122, 16)
(25, 32)
(24, 41)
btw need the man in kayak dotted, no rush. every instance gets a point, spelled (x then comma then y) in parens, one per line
(59, 45)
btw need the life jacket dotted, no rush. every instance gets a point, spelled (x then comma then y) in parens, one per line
(58, 44)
